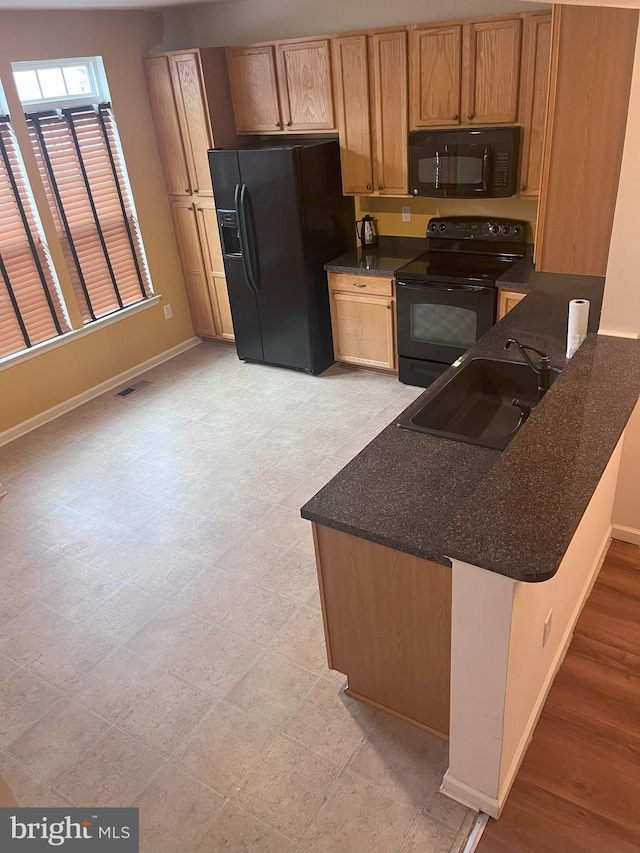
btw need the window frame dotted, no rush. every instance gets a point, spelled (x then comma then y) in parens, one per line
(100, 88)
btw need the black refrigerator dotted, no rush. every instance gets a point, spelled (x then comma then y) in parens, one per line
(281, 216)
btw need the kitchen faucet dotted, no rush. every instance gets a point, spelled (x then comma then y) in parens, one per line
(542, 369)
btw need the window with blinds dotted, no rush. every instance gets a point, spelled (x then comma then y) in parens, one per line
(31, 309)
(83, 173)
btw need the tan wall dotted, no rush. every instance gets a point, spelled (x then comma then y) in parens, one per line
(388, 212)
(256, 20)
(120, 38)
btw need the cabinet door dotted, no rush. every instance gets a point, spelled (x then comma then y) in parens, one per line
(212, 255)
(435, 61)
(305, 85)
(492, 54)
(193, 267)
(252, 77)
(351, 66)
(167, 125)
(364, 330)
(508, 299)
(536, 64)
(390, 119)
(194, 120)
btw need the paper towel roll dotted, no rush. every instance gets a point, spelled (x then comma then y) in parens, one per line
(578, 324)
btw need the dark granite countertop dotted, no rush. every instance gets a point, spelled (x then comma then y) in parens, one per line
(391, 254)
(512, 512)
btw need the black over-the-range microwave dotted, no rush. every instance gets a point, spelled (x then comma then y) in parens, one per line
(469, 162)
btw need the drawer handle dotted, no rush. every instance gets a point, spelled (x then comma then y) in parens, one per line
(359, 284)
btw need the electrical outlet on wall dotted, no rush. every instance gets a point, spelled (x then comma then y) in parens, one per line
(546, 631)
(406, 214)
(168, 313)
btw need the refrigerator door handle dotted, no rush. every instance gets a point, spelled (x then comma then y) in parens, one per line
(242, 236)
(250, 241)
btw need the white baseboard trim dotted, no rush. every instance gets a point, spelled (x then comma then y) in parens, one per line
(468, 796)
(563, 648)
(626, 534)
(55, 411)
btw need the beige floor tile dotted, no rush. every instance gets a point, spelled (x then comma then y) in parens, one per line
(361, 819)
(401, 759)
(25, 788)
(167, 636)
(52, 800)
(128, 557)
(330, 723)
(275, 483)
(84, 591)
(446, 810)
(271, 690)
(287, 787)
(23, 700)
(164, 716)
(75, 534)
(117, 683)
(294, 577)
(236, 831)
(284, 526)
(216, 662)
(44, 575)
(168, 569)
(250, 558)
(222, 501)
(123, 614)
(126, 510)
(110, 774)
(12, 602)
(258, 616)
(223, 748)
(302, 640)
(58, 740)
(36, 627)
(314, 599)
(19, 552)
(211, 594)
(174, 809)
(7, 667)
(430, 836)
(66, 660)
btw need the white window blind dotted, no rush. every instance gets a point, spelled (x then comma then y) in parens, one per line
(31, 309)
(83, 173)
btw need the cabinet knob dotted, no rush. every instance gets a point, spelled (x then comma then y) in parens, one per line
(455, 116)
(190, 207)
(288, 123)
(470, 116)
(523, 187)
(369, 187)
(380, 187)
(359, 284)
(200, 209)
(388, 307)
(187, 189)
(277, 124)
(196, 190)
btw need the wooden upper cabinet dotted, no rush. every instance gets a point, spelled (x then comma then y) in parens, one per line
(435, 71)
(194, 120)
(536, 64)
(388, 57)
(304, 73)
(351, 65)
(167, 124)
(491, 78)
(254, 89)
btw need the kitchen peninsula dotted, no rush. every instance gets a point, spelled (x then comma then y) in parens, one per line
(452, 574)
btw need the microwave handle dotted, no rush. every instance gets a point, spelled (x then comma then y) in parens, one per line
(485, 171)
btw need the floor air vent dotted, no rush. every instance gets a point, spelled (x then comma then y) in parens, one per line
(131, 388)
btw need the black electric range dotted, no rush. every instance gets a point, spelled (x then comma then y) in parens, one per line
(446, 298)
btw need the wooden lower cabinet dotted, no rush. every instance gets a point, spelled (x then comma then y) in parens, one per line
(225, 323)
(363, 320)
(387, 620)
(508, 299)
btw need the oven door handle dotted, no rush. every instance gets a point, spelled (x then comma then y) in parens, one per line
(426, 287)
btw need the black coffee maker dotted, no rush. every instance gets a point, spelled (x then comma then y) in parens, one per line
(368, 232)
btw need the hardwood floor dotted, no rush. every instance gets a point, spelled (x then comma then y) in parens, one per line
(578, 790)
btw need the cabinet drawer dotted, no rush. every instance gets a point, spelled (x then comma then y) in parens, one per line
(365, 284)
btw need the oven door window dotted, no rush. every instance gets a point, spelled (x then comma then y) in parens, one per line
(446, 325)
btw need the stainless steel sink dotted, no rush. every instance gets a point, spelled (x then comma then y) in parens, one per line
(477, 404)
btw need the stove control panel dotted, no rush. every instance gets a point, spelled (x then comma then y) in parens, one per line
(477, 228)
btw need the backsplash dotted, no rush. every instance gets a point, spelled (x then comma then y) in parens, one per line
(388, 212)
